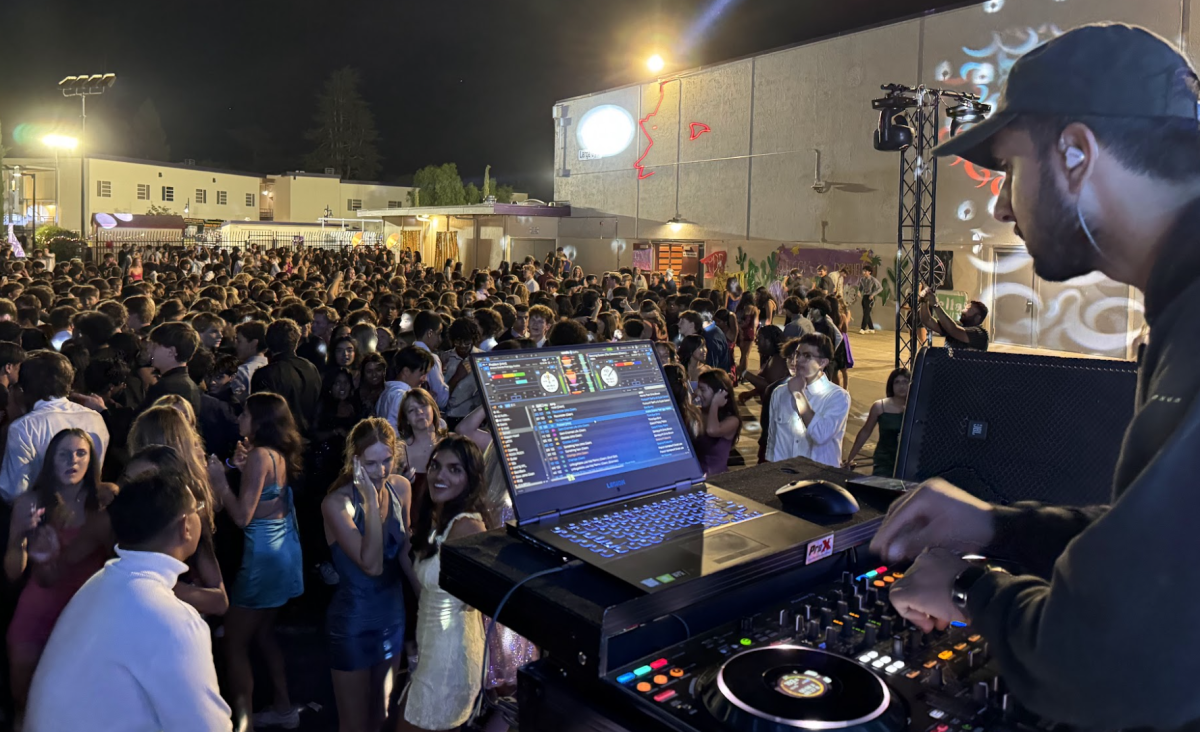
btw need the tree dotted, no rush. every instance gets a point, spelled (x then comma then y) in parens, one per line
(440, 185)
(487, 181)
(345, 134)
(156, 210)
(147, 134)
(474, 195)
(503, 194)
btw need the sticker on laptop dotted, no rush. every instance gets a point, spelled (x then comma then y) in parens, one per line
(664, 579)
(819, 549)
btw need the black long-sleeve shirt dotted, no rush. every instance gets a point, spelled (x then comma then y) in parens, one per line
(1105, 637)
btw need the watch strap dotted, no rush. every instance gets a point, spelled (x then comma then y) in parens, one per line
(963, 583)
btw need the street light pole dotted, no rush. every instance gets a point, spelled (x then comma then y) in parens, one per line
(83, 87)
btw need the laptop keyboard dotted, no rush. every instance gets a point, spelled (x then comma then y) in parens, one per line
(630, 529)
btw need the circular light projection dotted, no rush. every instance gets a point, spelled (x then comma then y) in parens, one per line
(605, 131)
(123, 217)
(106, 221)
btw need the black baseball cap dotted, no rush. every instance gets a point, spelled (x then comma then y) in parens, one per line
(1103, 70)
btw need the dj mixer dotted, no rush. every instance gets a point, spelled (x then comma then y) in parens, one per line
(836, 657)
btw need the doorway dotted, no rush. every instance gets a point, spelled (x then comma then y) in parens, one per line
(1089, 315)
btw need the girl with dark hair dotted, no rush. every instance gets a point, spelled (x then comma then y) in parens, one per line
(419, 426)
(366, 527)
(677, 380)
(59, 531)
(888, 413)
(693, 353)
(450, 639)
(345, 353)
(337, 413)
(747, 329)
(721, 421)
(370, 384)
(766, 306)
(272, 573)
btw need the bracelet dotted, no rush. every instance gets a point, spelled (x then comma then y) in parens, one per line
(230, 465)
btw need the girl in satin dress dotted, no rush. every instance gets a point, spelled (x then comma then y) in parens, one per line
(450, 634)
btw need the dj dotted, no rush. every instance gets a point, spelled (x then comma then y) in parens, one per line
(1098, 136)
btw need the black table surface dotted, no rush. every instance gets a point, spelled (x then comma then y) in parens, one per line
(479, 569)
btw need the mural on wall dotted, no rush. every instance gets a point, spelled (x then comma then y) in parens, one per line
(1084, 315)
(771, 271)
(696, 129)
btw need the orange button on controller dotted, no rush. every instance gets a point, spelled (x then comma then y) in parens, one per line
(946, 655)
(879, 583)
(960, 646)
(644, 686)
(974, 638)
(677, 673)
(897, 575)
(660, 679)
(890, 580)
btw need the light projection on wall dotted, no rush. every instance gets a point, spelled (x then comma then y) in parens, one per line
(604, 131)
(696, 129)
(1083, 315)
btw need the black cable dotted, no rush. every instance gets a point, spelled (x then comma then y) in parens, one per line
(487, 640)
(686, 628)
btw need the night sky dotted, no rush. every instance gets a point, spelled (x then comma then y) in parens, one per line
(448, 81)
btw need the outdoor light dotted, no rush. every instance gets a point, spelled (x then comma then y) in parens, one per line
(60, 142)
(187, 207)
(676, 223)
(605, 131)
(655, 63)
(328, 213)
(894, 131)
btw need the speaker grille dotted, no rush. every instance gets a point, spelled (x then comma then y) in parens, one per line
(1014, 427)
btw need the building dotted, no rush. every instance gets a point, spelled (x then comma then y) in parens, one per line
(765, 163)
(208, 196)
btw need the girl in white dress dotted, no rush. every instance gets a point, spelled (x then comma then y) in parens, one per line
(450, 637)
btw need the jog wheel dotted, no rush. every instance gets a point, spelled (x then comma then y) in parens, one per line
(793, 687)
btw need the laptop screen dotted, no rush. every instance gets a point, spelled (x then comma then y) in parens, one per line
(583, 424)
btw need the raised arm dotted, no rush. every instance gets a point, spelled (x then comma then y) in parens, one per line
(867, 428)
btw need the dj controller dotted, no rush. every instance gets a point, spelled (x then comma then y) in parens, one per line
(836, 657)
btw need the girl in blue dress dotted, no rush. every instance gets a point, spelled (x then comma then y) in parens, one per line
(366, 527)
(272, 572)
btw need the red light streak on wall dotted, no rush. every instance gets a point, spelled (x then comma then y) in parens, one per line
(641, 169)
(699, 128)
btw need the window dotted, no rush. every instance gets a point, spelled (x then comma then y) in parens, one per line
(201, 195)
(353, 204)
(104, 188)
(222, 198)
(249, 199)
(168, 193)
(395, 204)
(143, 191)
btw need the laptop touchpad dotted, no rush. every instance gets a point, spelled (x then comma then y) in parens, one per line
(722, 547)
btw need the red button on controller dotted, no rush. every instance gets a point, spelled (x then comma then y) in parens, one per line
(656, 665)
(669, 693)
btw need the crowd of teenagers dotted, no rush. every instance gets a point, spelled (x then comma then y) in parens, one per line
(193, 439)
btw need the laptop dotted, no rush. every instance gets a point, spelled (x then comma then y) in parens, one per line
(600, 468)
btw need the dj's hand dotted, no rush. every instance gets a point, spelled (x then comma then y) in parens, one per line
(935, 514)
(923, 595)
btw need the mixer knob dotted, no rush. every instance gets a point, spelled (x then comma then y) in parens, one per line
(980, 692)
(897, 647)
(871, 636)
(997, 686)
(975, 658)
(847, 580)
(785, 617)
(826, 616)
(885, 626)
(1006, 705)
(860, 604)
(808, 611)
(872, 596)
(831, 634)
(842, 609)
(915, 639)
(814, 629)
(801, 623)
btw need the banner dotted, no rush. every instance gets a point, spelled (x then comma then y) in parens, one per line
(643, 257)
(807, 261)
(953, 303)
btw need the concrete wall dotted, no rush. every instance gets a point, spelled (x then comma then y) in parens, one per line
(125, 177)
(733, 149)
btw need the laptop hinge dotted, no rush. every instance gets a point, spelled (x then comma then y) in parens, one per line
(683, 485)
(547, 516)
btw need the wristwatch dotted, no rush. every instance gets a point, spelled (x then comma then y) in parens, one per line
(966, 579)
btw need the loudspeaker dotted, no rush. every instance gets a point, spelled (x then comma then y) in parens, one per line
(1010, 427)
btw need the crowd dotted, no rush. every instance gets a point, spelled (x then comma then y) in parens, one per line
(236, 426)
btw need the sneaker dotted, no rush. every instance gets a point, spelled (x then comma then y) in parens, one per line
(271, 718)
(863, 331)
(328, 574)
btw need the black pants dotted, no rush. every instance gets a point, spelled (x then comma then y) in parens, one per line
(868, 302)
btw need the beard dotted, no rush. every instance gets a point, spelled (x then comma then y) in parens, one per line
(1060, 249)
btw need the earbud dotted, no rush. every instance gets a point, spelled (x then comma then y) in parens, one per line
(1075, 157)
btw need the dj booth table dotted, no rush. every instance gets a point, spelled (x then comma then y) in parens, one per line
(587, 622)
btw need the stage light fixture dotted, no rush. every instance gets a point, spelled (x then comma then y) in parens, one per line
(894, 133)
(968, 111)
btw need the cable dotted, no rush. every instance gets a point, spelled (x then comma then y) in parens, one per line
(686, 629)
(487, 640)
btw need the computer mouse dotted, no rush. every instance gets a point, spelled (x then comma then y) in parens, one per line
(817, 497)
